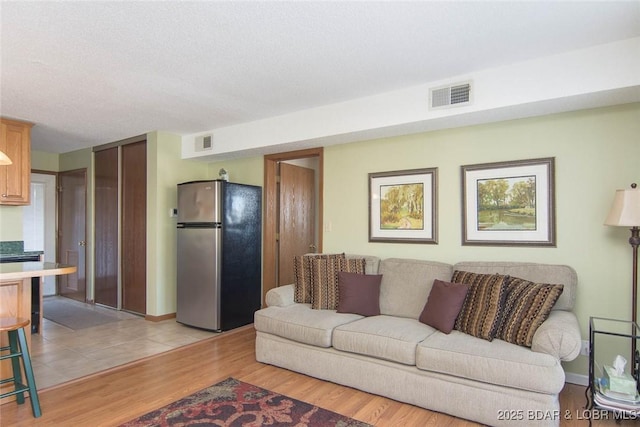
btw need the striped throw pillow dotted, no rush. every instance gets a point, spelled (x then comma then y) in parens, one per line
(302, 274)
(325, 292)
(527, 305)
(482, 308)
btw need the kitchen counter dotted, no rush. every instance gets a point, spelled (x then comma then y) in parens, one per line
(21, 288)
(24, 270)
(15, 300)
(16, 290)
(14, 250)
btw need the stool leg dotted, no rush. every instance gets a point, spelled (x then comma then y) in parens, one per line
(28, 371)
(15, 364)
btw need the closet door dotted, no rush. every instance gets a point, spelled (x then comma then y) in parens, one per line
(106, 227)
(134, 227)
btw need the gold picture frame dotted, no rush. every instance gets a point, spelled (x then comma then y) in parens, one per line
(402, 206)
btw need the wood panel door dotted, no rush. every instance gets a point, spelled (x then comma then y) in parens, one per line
(272, 207)
(72, 214)
(134, 227)
(106, 227)
(297, 218)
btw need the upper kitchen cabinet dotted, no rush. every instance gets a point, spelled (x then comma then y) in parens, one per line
(15, 178)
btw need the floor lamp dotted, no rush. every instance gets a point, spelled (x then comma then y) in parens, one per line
(625, 212)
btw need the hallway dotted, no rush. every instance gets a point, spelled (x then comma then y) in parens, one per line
(61, 354)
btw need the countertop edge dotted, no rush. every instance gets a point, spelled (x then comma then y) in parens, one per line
(23, 270)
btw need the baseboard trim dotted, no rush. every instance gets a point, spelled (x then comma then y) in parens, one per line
(578, 379)
(159, 318)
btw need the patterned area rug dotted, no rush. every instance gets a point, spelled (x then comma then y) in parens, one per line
(234, 403)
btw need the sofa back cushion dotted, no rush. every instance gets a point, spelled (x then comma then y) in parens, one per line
(372, 263)
(538, 273)
(406, 284)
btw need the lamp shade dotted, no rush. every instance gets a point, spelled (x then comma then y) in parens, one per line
(625, 210)
(4, 159)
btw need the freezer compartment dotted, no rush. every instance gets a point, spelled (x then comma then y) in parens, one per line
(200, 202)
(198, 281)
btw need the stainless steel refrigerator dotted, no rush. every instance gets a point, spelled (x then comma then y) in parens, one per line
(219, 254)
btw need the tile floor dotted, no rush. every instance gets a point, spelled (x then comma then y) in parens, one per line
(60, 354)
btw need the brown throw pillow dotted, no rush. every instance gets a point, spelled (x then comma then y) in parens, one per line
(359, 293)
(324, 278)
(527, 305)
(481, 312)
(302, 274)
(443, 305)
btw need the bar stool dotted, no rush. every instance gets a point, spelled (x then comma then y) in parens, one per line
(18, 350)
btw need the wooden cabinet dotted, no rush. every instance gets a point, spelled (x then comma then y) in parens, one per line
(15, 142)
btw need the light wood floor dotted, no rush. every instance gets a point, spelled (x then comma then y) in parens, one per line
(112, 397)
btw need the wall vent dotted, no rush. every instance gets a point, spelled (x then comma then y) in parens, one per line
(204, 143)
(450, 96)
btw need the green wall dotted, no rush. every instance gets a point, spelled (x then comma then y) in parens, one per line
(45, 161)
(244, 171)
(596, 151)
(165, 169)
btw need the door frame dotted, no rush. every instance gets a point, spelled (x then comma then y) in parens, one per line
(86, 220)
(271, 206)
(51, 235)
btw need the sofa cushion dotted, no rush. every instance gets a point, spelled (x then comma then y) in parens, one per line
(324, 278)
(538, 273)
(300, 323)
(383, 337)
(526, 306)
(496, 362)
(443, 305)
(372, 263)
(303, 275)
(482, 309)
(406, 284)
(359, 293)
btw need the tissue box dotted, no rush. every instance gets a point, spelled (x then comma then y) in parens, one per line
(620, 383)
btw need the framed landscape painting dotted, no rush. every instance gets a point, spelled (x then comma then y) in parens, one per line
(402, 206)
(509, 203)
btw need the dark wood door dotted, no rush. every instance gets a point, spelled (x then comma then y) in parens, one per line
(72, 214)
(106, 227)
(297, 218)
(134, 227)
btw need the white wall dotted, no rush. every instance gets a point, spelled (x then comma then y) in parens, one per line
(607, 74)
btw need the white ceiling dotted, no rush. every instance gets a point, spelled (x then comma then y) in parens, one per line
(88, 73)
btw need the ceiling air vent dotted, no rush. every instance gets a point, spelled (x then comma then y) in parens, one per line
(450, 96)
(204, 143)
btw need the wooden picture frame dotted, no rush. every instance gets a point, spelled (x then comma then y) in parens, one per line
(402, 206)
(509, 203)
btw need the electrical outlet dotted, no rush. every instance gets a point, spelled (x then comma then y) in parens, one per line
(584, 348)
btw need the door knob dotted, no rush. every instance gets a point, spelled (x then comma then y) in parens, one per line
(82, 243)
(312, 247)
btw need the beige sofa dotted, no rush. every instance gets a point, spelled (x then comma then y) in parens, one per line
(394, 355)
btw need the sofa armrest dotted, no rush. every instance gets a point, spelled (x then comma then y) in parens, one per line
(558, 336)
(281, 296)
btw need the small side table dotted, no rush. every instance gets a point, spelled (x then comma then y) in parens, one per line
(604, 336)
